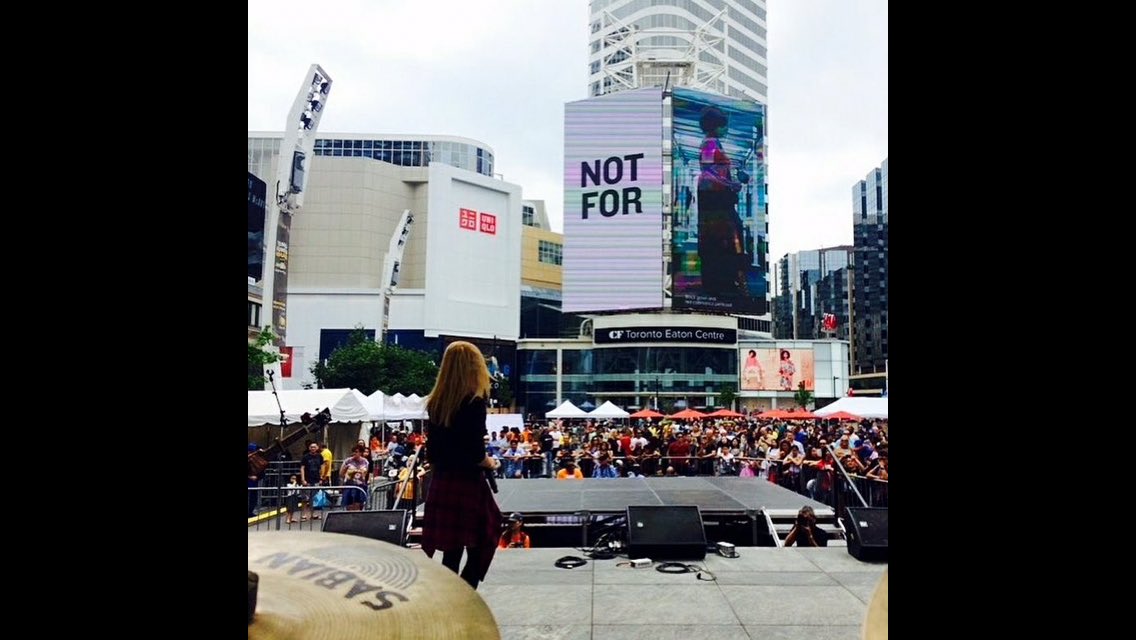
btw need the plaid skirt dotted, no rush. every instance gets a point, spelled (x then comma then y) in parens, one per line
(461, 512)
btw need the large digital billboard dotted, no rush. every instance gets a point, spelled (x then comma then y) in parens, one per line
(719, 246)
(613, 202)
(776, 369)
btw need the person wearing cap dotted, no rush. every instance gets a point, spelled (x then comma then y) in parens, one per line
(514, 537)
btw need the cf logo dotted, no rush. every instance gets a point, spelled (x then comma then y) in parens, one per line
(615, 335)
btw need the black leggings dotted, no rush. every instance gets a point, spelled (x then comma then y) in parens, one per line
(451, 559)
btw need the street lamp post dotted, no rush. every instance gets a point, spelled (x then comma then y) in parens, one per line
(835, 386)
(657, 385)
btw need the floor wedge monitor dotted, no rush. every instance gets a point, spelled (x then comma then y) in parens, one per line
(665, 533)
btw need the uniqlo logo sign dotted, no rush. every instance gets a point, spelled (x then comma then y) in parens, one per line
(489, 223)
(468, 219)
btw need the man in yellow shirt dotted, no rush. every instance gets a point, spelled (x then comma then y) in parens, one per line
(325, 470)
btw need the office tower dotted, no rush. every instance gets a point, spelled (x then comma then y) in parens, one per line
(870, 291)
(811, 284)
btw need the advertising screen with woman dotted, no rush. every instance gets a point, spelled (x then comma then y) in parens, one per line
(776, 369)
(719, 243)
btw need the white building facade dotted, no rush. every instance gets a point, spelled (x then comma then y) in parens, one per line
(459, 267)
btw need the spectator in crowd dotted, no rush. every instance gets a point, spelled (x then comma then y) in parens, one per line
(805, 532)
(513, 457)
(325, 470)
(604, 469)
(353, 474)
(292, 498)
(821, 486)
(569, 472)
(310, 466)
(843, 448)
(514, 537)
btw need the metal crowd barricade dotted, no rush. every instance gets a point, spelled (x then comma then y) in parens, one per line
(274, 503)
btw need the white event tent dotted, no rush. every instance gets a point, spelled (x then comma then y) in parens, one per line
(863, 407)
(607, 410)
(567, 410)
(346, 405)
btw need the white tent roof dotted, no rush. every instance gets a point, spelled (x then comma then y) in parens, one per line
(376, 403)
(567, 410)
(863, 407)
(345, 405)
(398, 406)
(608, 410)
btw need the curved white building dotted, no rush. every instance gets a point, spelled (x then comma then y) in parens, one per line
(709, 45)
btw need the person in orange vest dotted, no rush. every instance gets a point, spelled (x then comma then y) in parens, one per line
(514, 537)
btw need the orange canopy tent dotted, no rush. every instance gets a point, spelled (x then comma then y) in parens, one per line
(800, 414)
(688, 414)
(773, 413)
(724, 413)
(646, 413)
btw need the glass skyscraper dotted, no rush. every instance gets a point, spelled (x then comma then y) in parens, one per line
(870, 234)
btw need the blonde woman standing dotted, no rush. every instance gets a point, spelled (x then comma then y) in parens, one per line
(461, 513)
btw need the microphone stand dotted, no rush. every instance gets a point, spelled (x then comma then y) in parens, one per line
(279, 440)
(283, 419)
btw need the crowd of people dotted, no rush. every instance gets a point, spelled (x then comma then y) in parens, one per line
(778, 450)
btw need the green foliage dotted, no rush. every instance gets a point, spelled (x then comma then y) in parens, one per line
(503, 393)
(803, 396)
(258, 356)
(726, 395)
(368, 366)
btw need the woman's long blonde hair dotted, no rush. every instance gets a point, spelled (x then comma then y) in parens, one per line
(463, 373)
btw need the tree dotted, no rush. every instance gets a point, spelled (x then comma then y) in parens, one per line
(803, 396)
(727, 395)
(502, 392)
(258, 356)
(368, 366)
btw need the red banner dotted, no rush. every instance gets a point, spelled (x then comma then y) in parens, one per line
(286, 362)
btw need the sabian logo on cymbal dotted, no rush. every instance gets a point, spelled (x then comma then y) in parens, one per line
(334, 579)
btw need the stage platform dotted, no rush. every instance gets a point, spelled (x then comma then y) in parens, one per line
(712, 495)
(561, 513)
(787, 594)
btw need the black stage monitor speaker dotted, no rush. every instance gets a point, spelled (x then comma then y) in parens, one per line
(388, 526)
(867, 529)
(665, 533)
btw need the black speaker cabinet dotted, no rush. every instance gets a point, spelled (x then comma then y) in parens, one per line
(665, 533)
(387, 525)
(867, 529)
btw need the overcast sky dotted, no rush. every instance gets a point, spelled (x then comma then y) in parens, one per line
(500, 71)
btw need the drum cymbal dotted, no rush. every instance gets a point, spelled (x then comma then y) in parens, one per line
(331, 585)
(876, 620)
